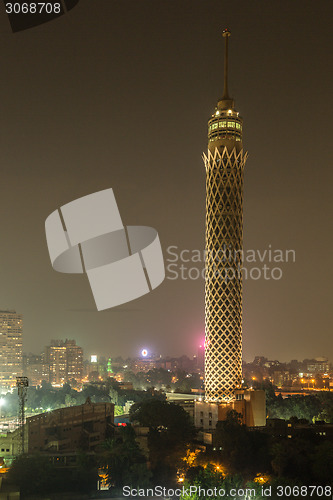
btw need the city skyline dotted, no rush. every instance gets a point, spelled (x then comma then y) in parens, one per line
(120, 99)
(159, 355)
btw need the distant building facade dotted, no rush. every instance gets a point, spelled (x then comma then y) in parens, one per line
(10, 445)
(318, 365)
(63, 362)
(282, 378)
(96, 368)
(11, 354)
(33, 368)
(143, 365)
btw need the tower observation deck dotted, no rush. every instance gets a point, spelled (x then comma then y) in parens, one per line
(224, 165)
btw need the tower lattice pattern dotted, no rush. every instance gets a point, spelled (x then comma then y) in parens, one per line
(223, 280)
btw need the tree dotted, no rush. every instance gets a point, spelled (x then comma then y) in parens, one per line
(123, 462)
(326, 401)
(114, 396)
(118, 410)
(206, 477)
(242, 450)
(302, 407)
(70, 400)
(323, 462)
(164, 418)
(292, 458)
(209, 478)
(33, 474)
(37, 475)
(170, 432)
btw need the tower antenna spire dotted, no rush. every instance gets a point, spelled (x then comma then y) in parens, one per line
(226, 34)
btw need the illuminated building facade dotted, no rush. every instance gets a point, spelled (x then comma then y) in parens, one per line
(144, 365)
(74, 355)
(55, 359)
(63, 362)
(11, 355)
(224, 165)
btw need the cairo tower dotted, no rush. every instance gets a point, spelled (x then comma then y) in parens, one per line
(224, 243)
(224, 163)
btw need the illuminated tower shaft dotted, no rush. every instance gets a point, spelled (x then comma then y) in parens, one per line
(224, 165)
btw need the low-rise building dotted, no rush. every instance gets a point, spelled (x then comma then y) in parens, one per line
(250, 404)
(69, 429)
(62, 432)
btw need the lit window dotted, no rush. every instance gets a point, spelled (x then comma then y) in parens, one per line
(224, 124)
(220, 124)
(231, 124)
(214, 126)
(238, 125)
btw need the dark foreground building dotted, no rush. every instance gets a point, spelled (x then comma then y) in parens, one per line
(68, 429)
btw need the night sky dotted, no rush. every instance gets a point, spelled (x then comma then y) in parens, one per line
(118, 94)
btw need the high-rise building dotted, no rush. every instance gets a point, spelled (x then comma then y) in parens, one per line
(33, 368)
(74, 355)
(11, 355)
(63, 362)
(55, 361)
(224, 165)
